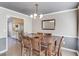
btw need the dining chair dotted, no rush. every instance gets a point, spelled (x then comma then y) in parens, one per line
(37, 49)
(46, 38)
(56, 49)
(27, 45)
(47, 34)
(59, 51)
(41, 36)
(39, 33)
(51, 47)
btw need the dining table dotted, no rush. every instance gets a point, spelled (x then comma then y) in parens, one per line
(47, 40)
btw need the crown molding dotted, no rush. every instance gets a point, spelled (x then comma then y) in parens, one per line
(3, 8)
(61, 11)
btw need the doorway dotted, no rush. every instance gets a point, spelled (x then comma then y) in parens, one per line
(15, 26)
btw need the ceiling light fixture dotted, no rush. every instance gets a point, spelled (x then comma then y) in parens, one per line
(35, 15)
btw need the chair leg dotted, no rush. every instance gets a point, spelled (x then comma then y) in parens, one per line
(46, 53)
(60, 54)
(31, 52)
(21, 50)
(40, 53)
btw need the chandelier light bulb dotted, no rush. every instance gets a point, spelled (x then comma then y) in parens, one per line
(31, 16)
(35, 15)
(41, 15)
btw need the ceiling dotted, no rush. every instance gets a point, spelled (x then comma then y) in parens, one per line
(44, 7)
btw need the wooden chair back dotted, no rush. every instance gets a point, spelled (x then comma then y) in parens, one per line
(36, 43)
(48, 34)
(27, 42)
(40, 33)
(41, 36)
(51, 46)
(59, 46)
(49, 49)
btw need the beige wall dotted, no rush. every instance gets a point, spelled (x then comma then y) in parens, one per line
(66, 23)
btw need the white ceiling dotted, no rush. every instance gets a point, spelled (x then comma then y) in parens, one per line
(44, 7)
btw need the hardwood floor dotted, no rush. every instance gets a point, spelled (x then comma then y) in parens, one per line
(13, 47)
(68, 53)
(14, 50)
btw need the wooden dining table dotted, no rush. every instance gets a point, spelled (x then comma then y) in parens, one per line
(48, 39)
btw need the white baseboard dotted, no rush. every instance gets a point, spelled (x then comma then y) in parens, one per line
(3, 51)
(78, 53)
(71, 50)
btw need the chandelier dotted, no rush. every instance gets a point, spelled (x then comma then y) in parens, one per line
(36, 15)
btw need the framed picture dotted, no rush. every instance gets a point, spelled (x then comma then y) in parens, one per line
(48, 24)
